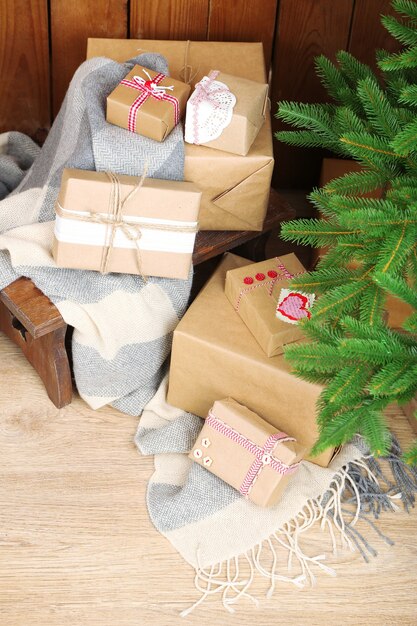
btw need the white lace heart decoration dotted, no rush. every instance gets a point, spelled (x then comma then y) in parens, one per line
(209, 110)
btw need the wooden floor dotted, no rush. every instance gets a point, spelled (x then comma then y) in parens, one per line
(77, 547)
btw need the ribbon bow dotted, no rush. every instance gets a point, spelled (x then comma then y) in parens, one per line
(149, 89)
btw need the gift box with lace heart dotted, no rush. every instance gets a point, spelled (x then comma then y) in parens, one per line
(259, 293)
(226, 112)
(249, 454)
(147, 103)
(235, 189)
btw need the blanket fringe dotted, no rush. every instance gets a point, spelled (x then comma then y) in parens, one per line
(357, 492)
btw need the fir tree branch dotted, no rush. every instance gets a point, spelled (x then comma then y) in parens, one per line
(399, 61)
(312, 232)
(408, 95)
(374, 144)
(407, 35)
(345, 297)
(396, 248)
(408, 8)
(406, 141)
(356, 183)
(396, 286)
(379, 110)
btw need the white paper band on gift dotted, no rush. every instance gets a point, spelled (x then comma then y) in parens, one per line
(209, 111)
(95, 234)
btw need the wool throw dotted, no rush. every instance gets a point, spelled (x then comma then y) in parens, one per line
(229, 541)
(122, 325)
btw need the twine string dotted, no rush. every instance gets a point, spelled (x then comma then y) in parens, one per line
(186, 71)
(114, 220)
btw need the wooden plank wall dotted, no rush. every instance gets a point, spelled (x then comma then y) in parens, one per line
(42, 42)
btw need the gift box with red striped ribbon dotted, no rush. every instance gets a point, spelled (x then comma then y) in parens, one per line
(249, 454)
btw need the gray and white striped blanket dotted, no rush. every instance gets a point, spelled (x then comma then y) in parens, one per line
(122, 325)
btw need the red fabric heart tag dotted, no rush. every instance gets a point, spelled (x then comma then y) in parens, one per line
(295, 306)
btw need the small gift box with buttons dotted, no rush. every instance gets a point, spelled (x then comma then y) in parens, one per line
(147, 103)
(249, 454)
(271, 310)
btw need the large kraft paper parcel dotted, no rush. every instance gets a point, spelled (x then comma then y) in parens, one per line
(214, 355)
(235, 189)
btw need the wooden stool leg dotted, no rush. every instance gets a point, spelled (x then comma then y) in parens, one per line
(46, 353)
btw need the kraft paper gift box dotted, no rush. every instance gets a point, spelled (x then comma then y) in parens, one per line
(153, 234)
(235, 189)
(246, 452)
(147, 103)
(255, 294)
(214, 355)
(226, 112)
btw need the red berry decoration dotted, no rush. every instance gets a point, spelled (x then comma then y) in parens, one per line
(248, 280)
(260, 276)
(272, 274)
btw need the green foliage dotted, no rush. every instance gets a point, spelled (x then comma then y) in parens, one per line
(363, 364)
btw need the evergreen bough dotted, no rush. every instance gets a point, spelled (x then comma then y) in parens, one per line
(364, 364)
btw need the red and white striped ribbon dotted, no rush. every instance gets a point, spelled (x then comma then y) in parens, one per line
(263, 455)
(148, 89)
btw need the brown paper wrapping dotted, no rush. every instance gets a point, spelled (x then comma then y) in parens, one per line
(86, 191)
(215, 356)
(231, 462)
(248, 115)
(155, 118)
(256, 303)
(235, 189)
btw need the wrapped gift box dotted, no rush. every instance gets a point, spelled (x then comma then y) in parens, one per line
(254, 292)
(226, 112)
(249, 454)
(235, 189)
(214, 355)
(147, 103)
(155, 236)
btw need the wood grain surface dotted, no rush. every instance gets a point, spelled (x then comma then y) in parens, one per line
(306, 28)
(169, 19)
(367, 33)
(243, 20)
(71, 24)
(77, 547)
(24, 66)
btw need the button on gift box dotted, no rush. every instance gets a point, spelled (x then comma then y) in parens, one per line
(125, 224)
(214, 355)
(147, 103)
(235, 189)
(226, 112)
(259, 295)
(239, 447)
